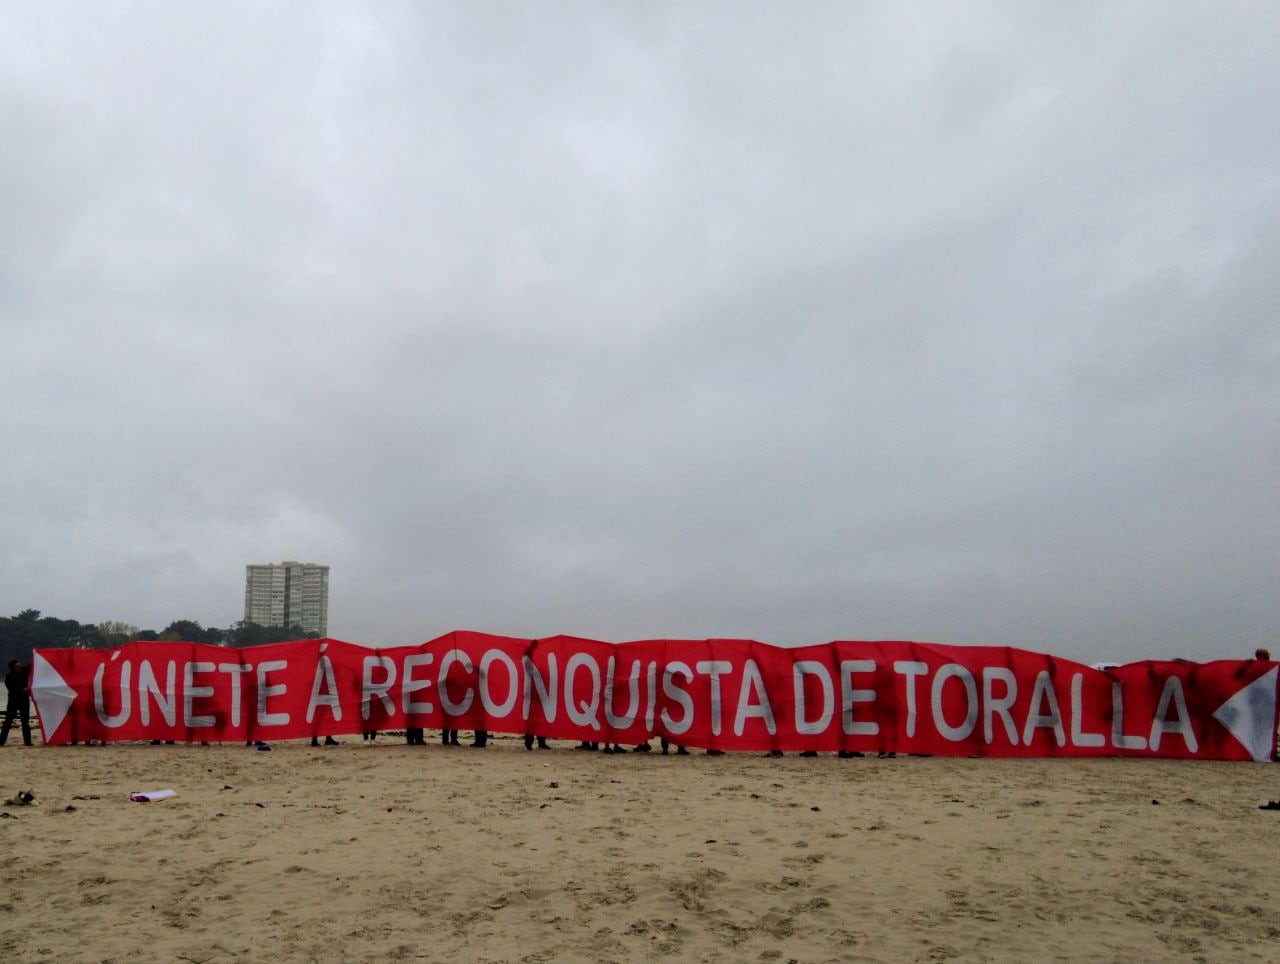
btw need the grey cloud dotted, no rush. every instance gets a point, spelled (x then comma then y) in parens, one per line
(831, 322)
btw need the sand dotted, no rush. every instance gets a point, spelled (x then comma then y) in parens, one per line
(389, 852)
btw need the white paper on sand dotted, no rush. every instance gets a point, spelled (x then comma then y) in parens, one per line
(150, 795)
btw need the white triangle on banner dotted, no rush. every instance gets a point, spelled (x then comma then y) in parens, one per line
(52, 695)
(1250, 715)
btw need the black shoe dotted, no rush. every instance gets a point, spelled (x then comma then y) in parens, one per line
(809, 753)
(643, 748)
(542, 743)
(314, 741)
(330, 741)
(848, 754)
(681, 751)
(774, 753)
(715, 753)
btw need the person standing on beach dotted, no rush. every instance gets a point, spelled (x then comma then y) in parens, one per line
(19, 702)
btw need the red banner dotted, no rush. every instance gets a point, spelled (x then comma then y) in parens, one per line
(718, 693)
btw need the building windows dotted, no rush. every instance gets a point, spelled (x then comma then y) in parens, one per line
(288, 594)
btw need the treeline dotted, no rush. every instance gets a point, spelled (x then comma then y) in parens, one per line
(29, 630)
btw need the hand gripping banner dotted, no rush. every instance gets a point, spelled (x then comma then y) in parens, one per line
(727, 694)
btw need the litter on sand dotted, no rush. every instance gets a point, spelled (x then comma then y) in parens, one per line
(152, 795)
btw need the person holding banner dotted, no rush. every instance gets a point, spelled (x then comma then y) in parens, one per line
(19, 702)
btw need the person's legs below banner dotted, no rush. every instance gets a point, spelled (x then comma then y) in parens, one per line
(20, 708)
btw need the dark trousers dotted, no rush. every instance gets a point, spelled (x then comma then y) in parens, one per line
(21, 707)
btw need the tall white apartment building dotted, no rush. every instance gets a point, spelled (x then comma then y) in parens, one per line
(288, 594)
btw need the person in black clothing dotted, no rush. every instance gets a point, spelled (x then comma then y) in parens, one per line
(19, 704)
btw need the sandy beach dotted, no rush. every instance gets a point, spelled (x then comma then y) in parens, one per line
(390, 852)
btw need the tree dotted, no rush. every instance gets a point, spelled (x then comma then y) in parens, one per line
(183, 630)
(116, 633)
(190, 631)
(29, 630)
(246, 633)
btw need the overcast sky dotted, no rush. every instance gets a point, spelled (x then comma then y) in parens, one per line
(797, 322)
